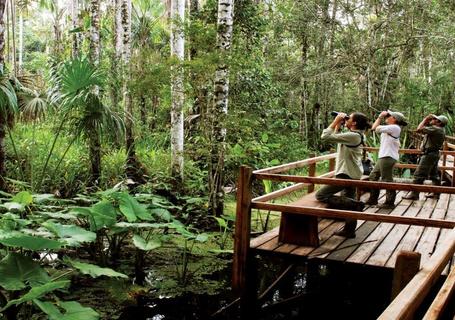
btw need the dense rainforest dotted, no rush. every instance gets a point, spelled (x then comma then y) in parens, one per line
(123, 124)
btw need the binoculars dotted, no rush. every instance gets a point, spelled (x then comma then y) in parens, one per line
(335, 113)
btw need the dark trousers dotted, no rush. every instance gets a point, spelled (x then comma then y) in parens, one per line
(383, 170)
(327, 191)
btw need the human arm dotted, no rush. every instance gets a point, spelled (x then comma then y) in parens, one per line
(377, 122)
(338, 121)
(424, 122)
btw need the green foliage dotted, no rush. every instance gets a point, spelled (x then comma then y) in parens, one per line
(93, 270)
(73, 310)
(19, 271)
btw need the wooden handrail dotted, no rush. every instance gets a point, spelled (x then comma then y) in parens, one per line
(334, 213)
(415, 151)
(356, 183)
(287, 190)
(442, 299)
(297, 164)
(410, 298)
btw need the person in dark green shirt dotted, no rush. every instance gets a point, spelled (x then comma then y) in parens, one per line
(433, 128)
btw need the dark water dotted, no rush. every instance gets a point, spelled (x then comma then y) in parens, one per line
(313, 290)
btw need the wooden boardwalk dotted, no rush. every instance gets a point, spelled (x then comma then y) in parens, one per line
(376, 243)
(415, 238)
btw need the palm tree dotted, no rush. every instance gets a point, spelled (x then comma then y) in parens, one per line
(8, 110)
(82, 106)
(8, 99)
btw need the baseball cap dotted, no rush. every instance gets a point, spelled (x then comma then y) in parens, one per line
(443, 119)
(399, 116)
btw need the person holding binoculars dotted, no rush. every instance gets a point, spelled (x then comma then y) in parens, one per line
(388, 154)
(348, 165)
(433, 128)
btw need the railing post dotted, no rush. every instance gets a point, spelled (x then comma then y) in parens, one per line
(331, 162)
(311, 173)
(243, 279)
(406, 267)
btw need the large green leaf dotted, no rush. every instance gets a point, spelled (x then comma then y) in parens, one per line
(71, 234)
(161, 213)
(74, 310)
(94, 270)
(17, 271)
(37, 292)
(145, 245)
(14, 206)
(131, 208)
(30, 242)
(102, 214)
(23, 197)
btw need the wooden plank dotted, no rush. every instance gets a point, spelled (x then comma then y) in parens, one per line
(270, 245)
(412, 236)
(442, 299)
(346, 214)
(332, 242)
(410, 298)
(256, 242)
(429, 237)
(323, 236)
(364, 251)
(355, 183)
(389, 245)
(344, 248)
(287, 248)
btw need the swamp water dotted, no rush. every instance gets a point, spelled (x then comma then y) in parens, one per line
(313, 290)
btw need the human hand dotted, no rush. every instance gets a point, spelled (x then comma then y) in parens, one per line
(383, 114)
(341, 117)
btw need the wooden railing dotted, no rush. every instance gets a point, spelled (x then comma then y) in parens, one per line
(411, 297)
(242, 258)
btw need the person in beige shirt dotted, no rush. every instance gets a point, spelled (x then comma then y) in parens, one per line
(348, 165)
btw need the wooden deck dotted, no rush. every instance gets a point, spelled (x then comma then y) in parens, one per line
(415, 238)
(376, 243)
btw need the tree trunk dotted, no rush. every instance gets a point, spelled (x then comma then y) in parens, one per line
(21, 41)
(75, 24)
(13, 34)
(95, 32)
(2, 120)
(132, 165)
(177, 89)
(94, 140)
(143, 110)
(95, 157)
(220, 108)
(304, 93)
(118, 29)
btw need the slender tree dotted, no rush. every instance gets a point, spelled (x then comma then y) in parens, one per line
(131, 162)
(220, 107)
(177, 93)
(95, 31)
(75, 25)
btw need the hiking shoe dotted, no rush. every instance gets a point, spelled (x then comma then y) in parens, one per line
(411, 196)
(386, 205)
(344, 233)
(371, 202)
(432, 195)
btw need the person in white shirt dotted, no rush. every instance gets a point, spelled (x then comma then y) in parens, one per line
(388, 154)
